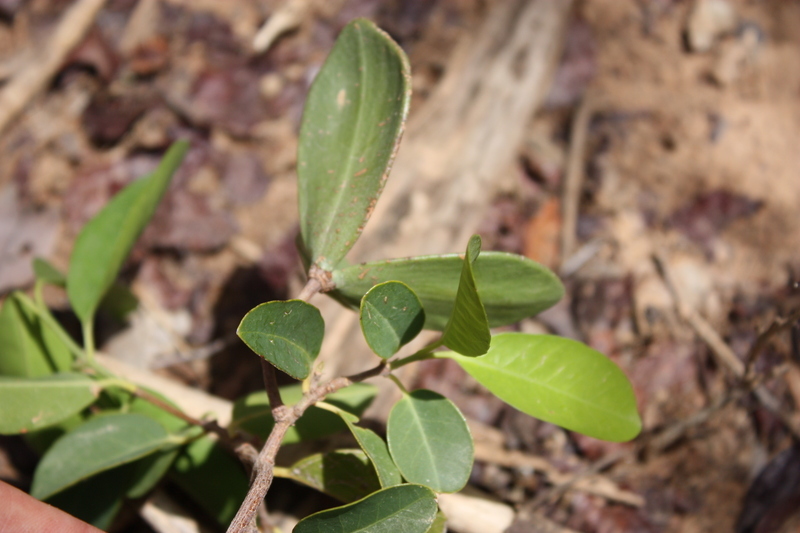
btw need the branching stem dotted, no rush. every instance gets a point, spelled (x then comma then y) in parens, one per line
(285, 417)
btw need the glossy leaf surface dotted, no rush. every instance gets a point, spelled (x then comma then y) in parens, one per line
(212, 477)
(346, 475)
(558, 380)
(401, 509)
(430, 441)
(351, 127)
(98, 445)
(252, 413)
(467, 331)
(31, 404)
(105, 241)
(391, 315)
(512, 287)
(287, 334)
(378, 452)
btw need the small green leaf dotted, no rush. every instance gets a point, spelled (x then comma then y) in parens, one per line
(430, 441)
(560, 381)
(45, 271)
(105, 241)
(352, 124)
(34, 403)
(287, 334)
(467, 331)
(22, 352)
(96, 446)
(252, 413)
(391, 316)
(378, 452)
(212, 478)
(512, 287)
(119, 302)
(346, 475)
(400, 509)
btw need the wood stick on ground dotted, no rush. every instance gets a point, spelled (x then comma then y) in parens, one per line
(29, 82)
(573, 181)
(723, 354)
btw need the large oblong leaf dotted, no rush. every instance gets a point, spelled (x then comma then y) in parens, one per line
(467, 331)
(512, 287)
(105, 241)
(560, 381)
(31, 404)
(391, 315)
(287, 334)
(430, 441)
(400, 509)
(96, 446)
(346, 475)
(352, 124)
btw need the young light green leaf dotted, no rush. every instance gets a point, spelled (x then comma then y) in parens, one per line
(252, 413)
(378, 452)
(430, 441)
(96, 446)
(22, 353)
(287, 334)
(512, 287)
(467, 331)
(45, 271)
(212, 477)
(346, 475)
(105, 241)
(33, 403)
(400, 509)
(391, 315)
(560, 381)
(351, 128)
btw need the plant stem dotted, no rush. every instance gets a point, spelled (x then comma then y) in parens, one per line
(271, 385)
(88, 339)
(312, 287)
(419, 356)
(285, 417)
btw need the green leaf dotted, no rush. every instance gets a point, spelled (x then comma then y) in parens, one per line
(560, 381)
(45, 271)
(391, 315)
(439, 524)
(212, 478)
(430, 441)
(467, 331)
(96, 500)
(287, 334)
(105, 241)
(22, 346)
(252, 413)
(346, 475)
(400, 509)
(119, 302)
(150, 470)
(512, 287)
(34, 403)
(378, 452)
(98, 445)
(351, 128)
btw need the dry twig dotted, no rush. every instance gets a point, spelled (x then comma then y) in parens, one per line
(18, 92)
